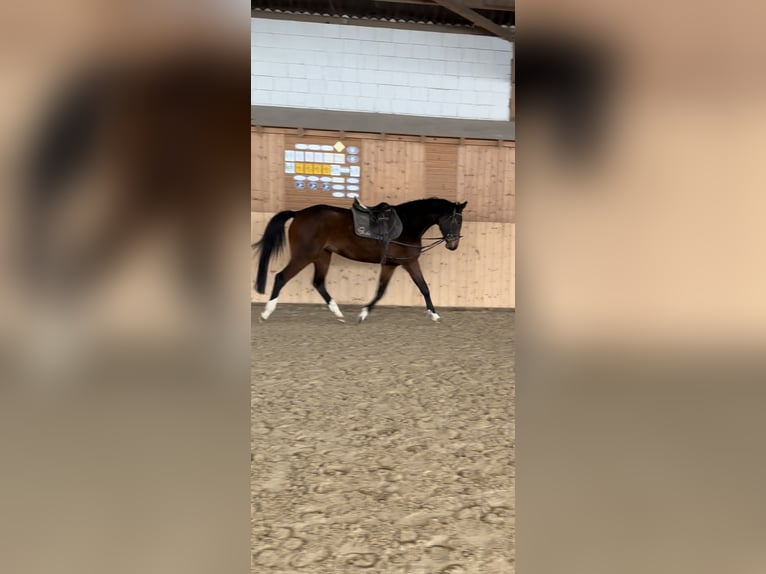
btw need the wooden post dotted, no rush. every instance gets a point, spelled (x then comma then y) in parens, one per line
(513, 88)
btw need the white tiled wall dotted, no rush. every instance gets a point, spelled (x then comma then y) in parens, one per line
(365, 69)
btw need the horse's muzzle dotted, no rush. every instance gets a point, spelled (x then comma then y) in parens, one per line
(452, 244)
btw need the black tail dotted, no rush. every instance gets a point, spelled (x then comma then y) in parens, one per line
(66, 140)
(61, 148)
(273, 241)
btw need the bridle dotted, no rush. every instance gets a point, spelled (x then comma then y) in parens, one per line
(455, 223)
(453, 233)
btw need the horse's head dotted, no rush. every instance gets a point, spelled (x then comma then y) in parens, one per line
(450, 225)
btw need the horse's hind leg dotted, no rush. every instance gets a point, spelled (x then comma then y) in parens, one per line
(386, 271)
(291, 270)
(321, 266)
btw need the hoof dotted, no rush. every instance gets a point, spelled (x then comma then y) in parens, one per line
(363, 315)
(434, 316)
(335, 310)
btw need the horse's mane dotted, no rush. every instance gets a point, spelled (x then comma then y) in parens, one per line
(427, 205)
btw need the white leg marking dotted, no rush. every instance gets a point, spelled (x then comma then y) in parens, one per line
(363, 314)
(334, 309)
(270, 306)
(434, 316)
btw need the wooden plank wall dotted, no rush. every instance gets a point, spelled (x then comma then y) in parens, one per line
(486, 179)
(481, 273)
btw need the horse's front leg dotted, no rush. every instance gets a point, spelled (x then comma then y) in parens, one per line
(413, 268)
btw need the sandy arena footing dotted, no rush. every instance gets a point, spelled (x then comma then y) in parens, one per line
(386, 446)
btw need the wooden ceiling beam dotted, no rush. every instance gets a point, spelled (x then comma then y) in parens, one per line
(500, 5)
(461, 9)
(256, 13)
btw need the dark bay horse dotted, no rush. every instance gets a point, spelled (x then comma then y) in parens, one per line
(147, 126)
(321, 230)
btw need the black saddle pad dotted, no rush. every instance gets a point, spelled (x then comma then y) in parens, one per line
(380, 222)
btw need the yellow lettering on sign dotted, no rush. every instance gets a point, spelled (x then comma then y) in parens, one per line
(299, 168)
(326, 169)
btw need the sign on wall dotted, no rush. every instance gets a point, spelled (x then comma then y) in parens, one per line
(324, 169)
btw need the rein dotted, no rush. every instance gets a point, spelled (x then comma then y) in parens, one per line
(423, 249)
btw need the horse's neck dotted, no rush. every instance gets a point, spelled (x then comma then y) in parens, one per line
(418, 224)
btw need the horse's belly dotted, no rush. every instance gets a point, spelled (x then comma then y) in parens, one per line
(364, 256)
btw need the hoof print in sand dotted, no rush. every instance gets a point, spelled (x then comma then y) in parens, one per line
(294, 543)
(281, 532)
(497, 515)
(361, 560)
(308, 557)
(439, 553)
(266, 557)
(335, 470)
(469, 512)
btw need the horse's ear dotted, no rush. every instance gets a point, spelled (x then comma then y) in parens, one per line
(461, 206)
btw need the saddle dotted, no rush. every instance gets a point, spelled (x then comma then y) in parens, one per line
(381, 223)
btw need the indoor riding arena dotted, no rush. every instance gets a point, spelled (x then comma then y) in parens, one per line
(385, 445)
